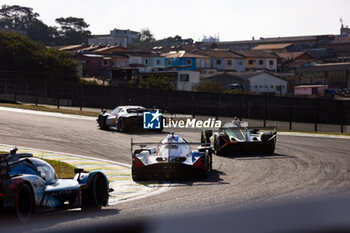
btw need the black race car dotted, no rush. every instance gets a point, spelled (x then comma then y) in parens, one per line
(236, 138)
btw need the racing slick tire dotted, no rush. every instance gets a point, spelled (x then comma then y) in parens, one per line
(136, 177)
(121, 125)
(102, 122)
(95, 197)
(24, 203)
(208, 165)
(269, 147)
(217, 150)
(205, 136)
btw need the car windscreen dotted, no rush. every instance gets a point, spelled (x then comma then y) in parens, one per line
(135, 110)
(47, 173)
(115, 111)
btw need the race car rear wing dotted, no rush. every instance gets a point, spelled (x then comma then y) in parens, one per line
(267, 128)
(144, 144)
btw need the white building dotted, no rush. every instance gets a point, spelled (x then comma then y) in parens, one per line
(187, 80)
(264, 82)
(116, 37)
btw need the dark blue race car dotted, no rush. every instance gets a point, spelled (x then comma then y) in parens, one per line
(28, 185)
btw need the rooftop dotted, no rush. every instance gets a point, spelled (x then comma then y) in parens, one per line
(217, 53)
(255, 53)
(272, 46)
(183, 54)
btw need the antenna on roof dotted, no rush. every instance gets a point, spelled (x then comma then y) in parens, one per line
(341, 22)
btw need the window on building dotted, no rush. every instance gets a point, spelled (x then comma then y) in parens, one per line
(271, 63)
(105, 62)
(184, 77)
(146, 61)
(169, 62)
(218, 62)
(260, 86)
(261, 62)
(158, 62)
(250, 62)
(256, 86)
(229, 62)
(271, 86)
(188, 62)
(240, 62)
(122, 63)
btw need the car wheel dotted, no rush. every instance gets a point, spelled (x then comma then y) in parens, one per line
(102, 122)
(96, 196)
(216, 147)
(269, 147)
(24, 203)
(210, 160)
(121, 125)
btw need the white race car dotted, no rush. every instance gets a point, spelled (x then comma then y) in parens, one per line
(171, 158)
(123, 118)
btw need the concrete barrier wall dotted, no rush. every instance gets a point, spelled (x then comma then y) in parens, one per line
(196, 103)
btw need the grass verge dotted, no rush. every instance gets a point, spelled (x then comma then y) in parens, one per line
(47, 109)
(63, 170)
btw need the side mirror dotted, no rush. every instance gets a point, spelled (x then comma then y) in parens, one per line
(78, 170)
(13, 151)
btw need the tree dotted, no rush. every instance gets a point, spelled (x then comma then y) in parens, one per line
(158, 82)
(145, 36)
(40, 32)
(73, 30)
(18, 53)
(144, 40)
(17, 17)
(23, 19)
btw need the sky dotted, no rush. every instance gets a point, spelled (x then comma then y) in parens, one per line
(227, 19)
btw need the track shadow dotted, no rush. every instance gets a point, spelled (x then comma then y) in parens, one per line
(259, 156)
(213, 179)
(136, 132)
(51, 218)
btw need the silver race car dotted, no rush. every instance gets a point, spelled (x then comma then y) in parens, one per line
(171, 158)
(123, 118)
(236, 138)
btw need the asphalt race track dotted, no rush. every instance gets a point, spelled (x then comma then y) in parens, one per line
(302, 167)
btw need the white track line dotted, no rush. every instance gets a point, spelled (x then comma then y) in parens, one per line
(52, 114)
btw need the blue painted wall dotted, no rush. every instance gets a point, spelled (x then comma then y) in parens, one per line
(161, 59)
(182, 62)
(219, 67)
(239, 65)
